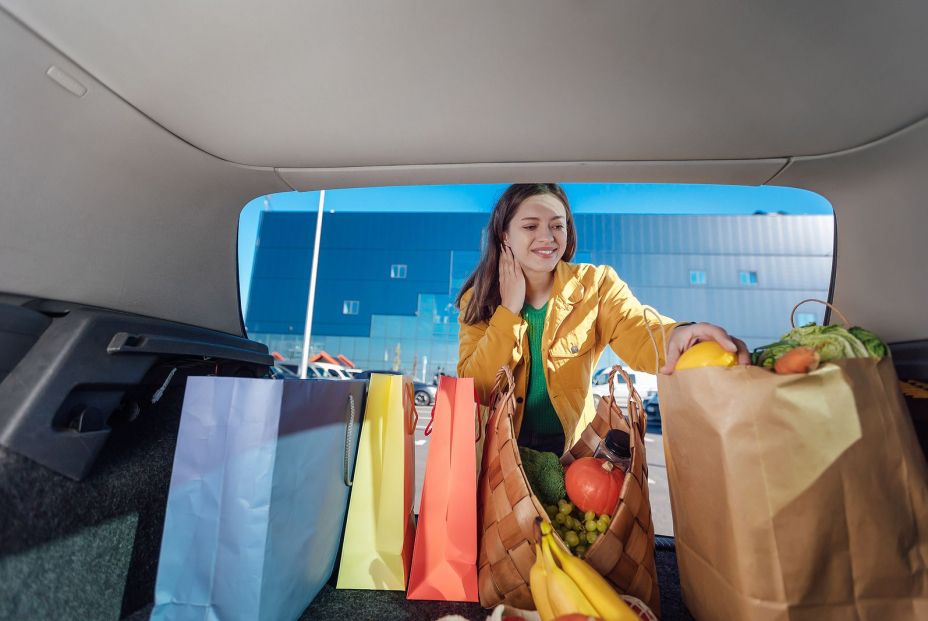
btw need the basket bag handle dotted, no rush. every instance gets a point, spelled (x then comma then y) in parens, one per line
(634, 405)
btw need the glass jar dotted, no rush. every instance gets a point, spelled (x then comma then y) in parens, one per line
(615, 448)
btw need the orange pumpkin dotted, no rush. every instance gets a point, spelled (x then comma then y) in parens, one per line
(594, 484)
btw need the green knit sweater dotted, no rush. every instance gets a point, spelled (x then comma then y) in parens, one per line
(538, 413)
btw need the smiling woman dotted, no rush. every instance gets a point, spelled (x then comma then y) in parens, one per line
(520, 211)
(528, 308)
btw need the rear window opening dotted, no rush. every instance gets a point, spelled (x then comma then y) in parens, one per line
(392, 261)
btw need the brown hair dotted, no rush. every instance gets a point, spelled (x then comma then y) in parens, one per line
(485, 279)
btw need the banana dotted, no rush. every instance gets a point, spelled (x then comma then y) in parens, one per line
(564, 596)
(538, 578)
(602, 596)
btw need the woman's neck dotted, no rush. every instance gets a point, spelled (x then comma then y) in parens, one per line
(538, 287)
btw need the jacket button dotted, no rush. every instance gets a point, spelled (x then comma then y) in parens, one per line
(574, 349)
(519, 399)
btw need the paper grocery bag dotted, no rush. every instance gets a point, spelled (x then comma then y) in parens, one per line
(796, 497)
(444, 562)
(258, 495)
(380, 530)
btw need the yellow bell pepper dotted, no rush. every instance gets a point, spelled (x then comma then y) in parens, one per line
(706, 354)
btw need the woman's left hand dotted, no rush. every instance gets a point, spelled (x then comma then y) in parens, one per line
(684, 337)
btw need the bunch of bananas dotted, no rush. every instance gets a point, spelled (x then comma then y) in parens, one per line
(563, 584)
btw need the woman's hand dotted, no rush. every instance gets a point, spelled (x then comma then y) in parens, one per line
(511, 281)
(684, 337)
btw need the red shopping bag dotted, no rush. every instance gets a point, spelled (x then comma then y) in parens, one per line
(444, 560)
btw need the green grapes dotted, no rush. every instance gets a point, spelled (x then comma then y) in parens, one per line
(578, 529)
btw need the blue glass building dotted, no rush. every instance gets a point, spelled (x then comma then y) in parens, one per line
(387, 281)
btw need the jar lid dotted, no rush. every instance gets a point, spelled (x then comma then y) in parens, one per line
(617, 441)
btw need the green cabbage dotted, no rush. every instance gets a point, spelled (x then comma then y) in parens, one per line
(831, 342)
(872, 342)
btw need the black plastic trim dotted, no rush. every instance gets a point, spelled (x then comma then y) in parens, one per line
(911, 359)
(56, 404)
(128, 343)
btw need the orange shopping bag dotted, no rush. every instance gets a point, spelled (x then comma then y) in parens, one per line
(444, 559)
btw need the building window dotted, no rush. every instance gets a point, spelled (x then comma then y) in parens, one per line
(804, 319)
(747, 278)
(697, 277)
(350, 307)
(397, 271)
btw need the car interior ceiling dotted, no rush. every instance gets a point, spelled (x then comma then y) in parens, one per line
(122, 184)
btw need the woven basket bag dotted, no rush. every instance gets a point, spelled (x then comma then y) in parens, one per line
(506, 507)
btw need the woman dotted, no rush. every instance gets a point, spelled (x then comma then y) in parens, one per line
(527, 307)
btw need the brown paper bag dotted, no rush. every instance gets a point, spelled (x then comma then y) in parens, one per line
(796, 497)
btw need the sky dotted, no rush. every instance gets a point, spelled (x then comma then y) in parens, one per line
(626, 198)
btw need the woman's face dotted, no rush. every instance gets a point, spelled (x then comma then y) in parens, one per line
(537, 233)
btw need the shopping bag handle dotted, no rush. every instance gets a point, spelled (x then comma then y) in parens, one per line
(413, 413)
(792, 315)
(348, 427)
(428, 428)
(478, 434)
(657, 356)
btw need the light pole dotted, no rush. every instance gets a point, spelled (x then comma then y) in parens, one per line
(308, 330)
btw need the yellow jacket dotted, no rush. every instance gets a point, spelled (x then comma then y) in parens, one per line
(590, 307)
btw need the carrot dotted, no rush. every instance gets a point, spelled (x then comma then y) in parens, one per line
(797, 360)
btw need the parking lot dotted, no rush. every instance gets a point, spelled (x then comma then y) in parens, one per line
(657, 473)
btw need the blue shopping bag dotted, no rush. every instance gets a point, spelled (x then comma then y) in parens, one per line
(258, 497)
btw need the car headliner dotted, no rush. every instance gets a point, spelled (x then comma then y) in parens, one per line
(133, 133)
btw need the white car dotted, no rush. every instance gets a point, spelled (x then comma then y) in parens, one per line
(328, 370)
(645, 384)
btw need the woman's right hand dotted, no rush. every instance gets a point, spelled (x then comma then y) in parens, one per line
(511, 281)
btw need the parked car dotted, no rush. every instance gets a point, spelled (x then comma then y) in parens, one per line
(327, 370)
(279, 371)
(424, 394)
(652, 408)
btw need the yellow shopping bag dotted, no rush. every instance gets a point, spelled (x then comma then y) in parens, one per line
(380, 532)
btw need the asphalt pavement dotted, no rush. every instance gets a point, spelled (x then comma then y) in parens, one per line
(657, 473)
